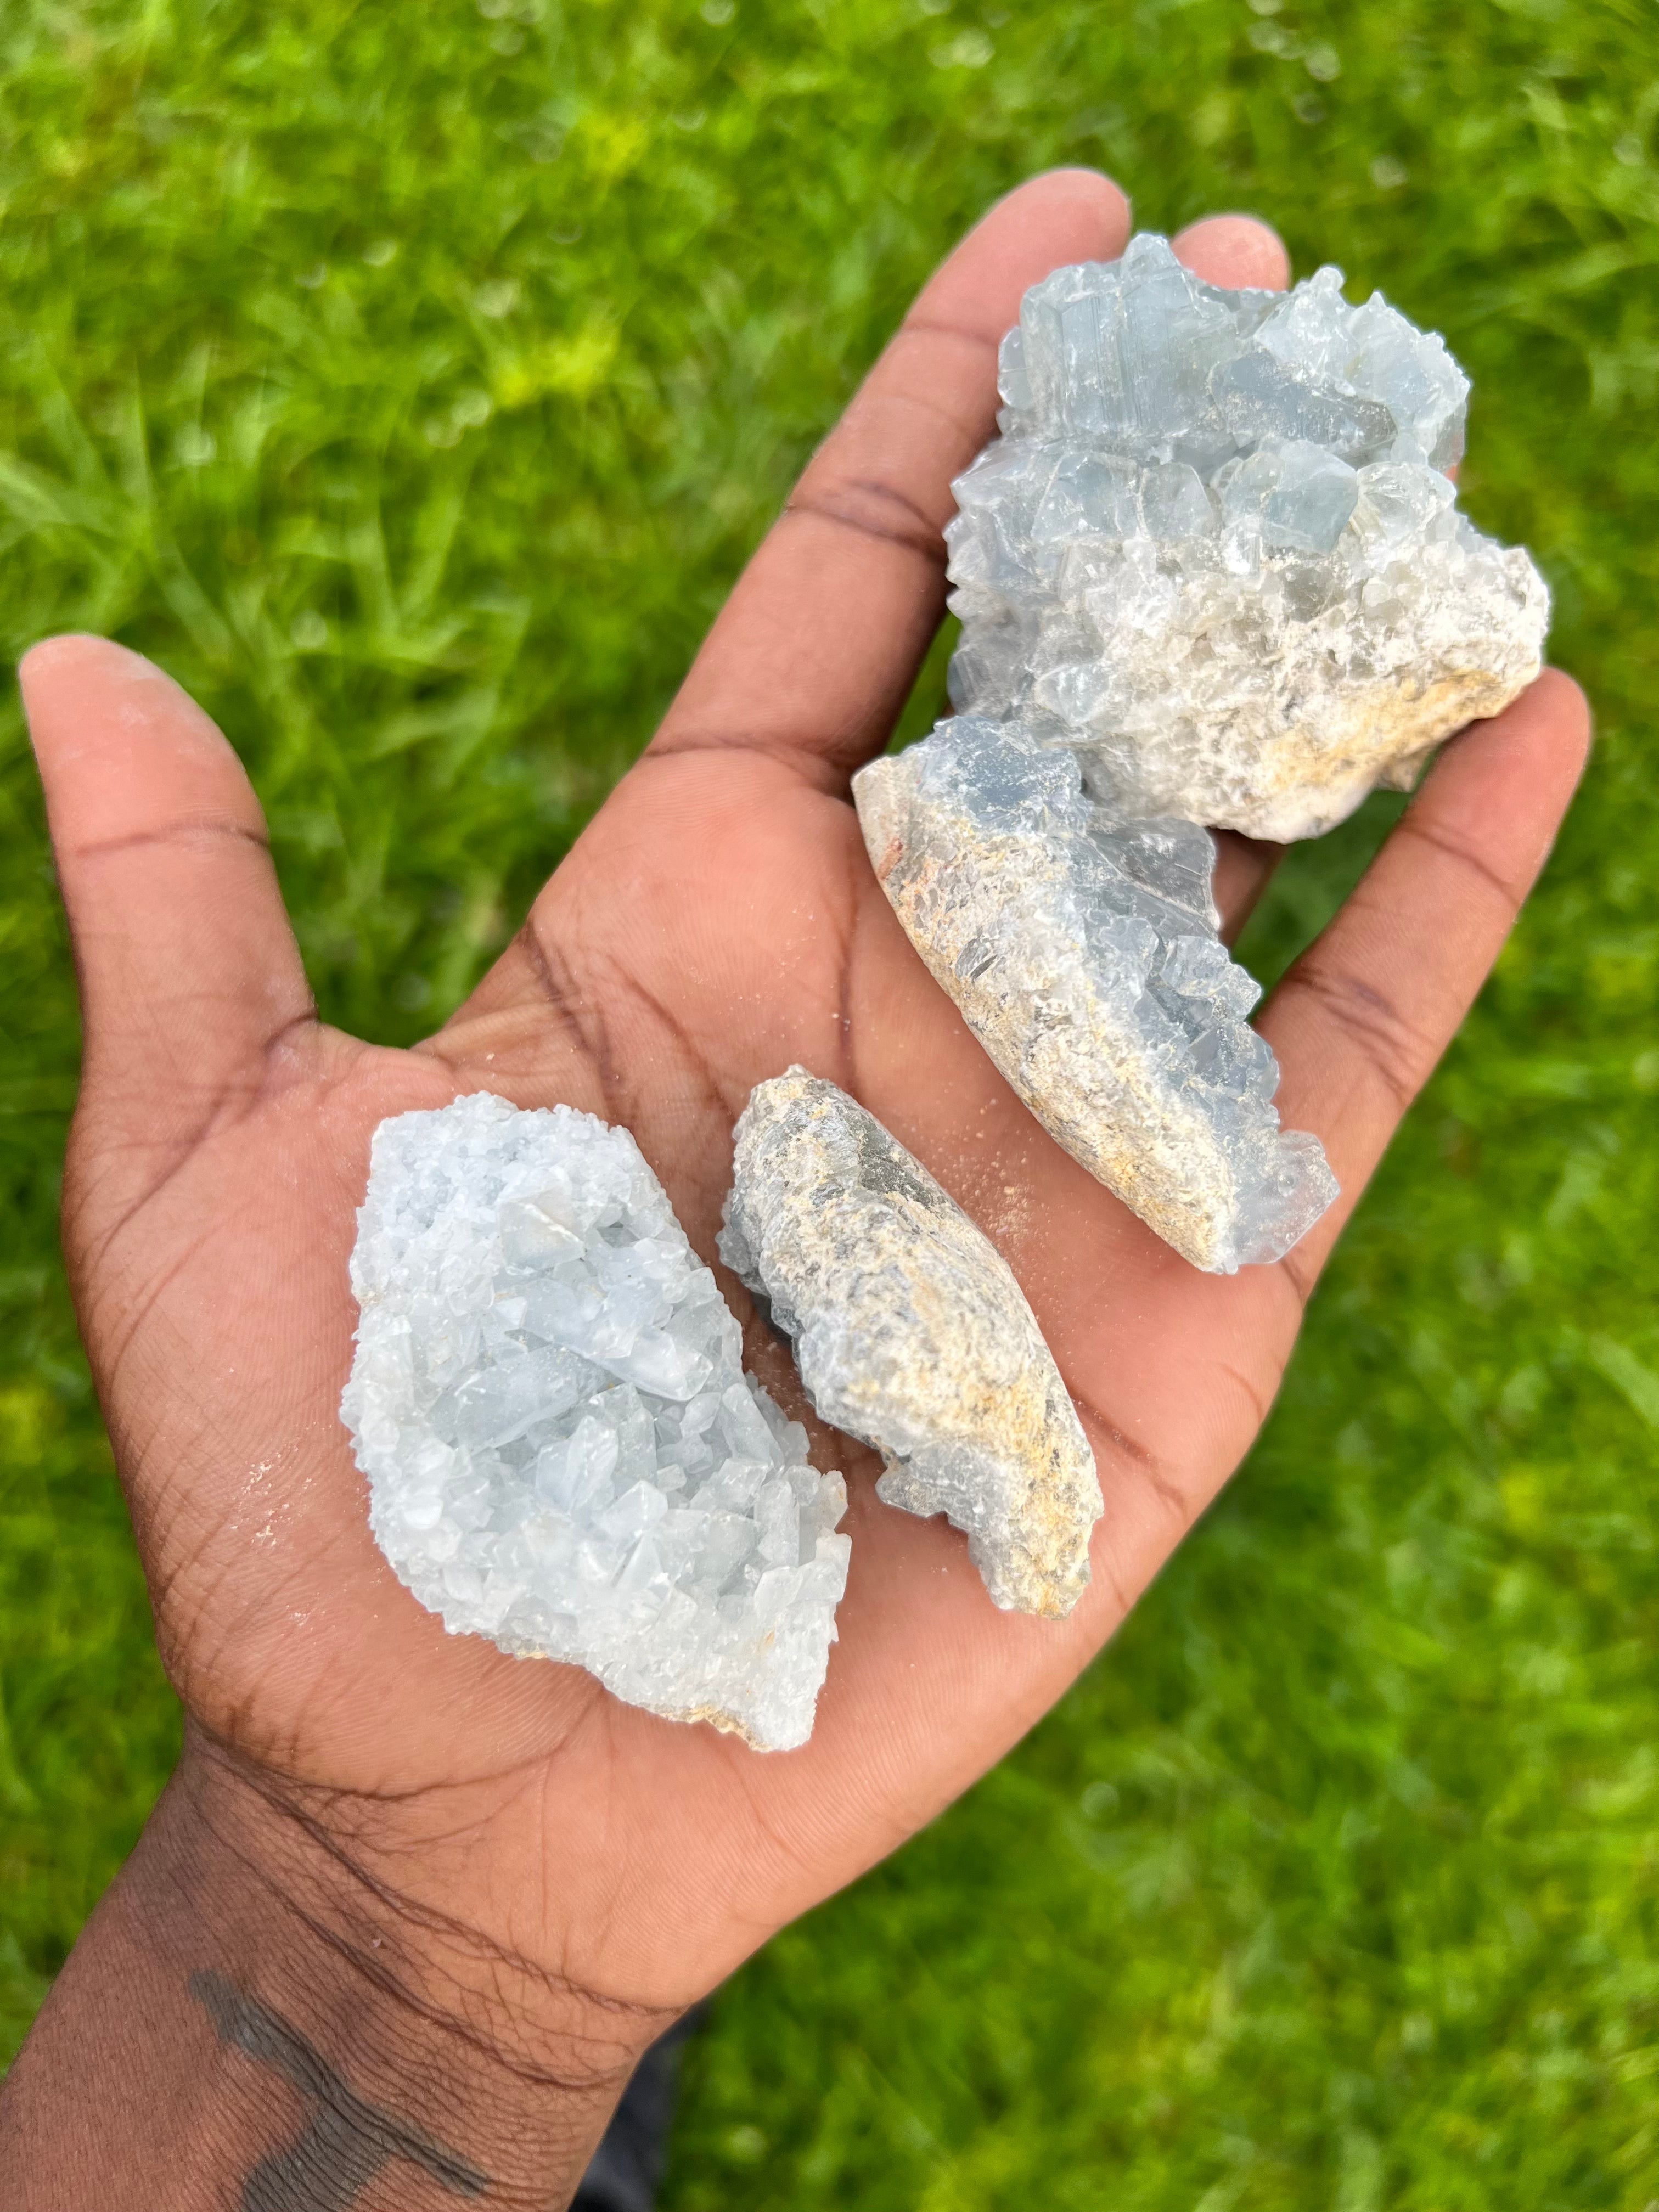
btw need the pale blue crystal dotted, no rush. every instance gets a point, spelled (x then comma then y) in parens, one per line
(1213, 549)
(563, 1450)
(1300, 495)
(1175, 502)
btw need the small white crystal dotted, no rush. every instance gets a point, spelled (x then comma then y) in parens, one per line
(1083, 952)
(563, 1450)
(1214, 551)
(911, 1331)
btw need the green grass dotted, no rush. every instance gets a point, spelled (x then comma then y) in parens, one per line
(412, 382)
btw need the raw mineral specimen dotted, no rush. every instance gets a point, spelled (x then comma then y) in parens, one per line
(1214, 551)
(1082, 950)
(911, 1331)
(563, 1450)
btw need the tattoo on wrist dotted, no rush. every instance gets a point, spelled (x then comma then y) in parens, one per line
(345, 2141)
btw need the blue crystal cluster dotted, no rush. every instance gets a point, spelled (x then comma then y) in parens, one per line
(1216, 549)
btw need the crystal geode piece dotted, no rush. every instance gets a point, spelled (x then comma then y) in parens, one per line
(1083, 952)
(1214, 549)
(911, 1332)
(563, 1452)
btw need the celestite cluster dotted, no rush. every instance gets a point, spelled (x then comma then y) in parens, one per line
(1211, 572)
(1083, 952)
(562, 1449)
(1215, 551)
(910, 1331)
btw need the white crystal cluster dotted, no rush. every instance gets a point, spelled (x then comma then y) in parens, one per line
(563, 1450)
(910, 1331)
(1083, 952)
(1214, 551)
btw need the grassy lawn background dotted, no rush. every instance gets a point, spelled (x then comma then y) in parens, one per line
(412, 381)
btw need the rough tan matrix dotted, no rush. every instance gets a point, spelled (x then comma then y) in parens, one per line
(911, 1332)
(1083, 953)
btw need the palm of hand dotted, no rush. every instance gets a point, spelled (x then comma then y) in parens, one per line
(716, 923)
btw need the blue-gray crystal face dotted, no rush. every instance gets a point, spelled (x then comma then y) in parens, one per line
(1141, 353)
(1298, 496)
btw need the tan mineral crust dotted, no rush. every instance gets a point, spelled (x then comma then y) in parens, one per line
(1084, 954)
(911, 1332)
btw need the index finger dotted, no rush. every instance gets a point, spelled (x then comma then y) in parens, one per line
(817, 648)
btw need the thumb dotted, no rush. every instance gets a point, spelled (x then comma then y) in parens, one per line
(189, 971)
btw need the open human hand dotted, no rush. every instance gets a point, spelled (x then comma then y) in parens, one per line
(525, 1865)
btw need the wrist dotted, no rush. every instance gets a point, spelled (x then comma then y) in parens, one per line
(290, 2010)
(372, 1896)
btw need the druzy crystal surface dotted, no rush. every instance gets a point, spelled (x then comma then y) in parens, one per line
(1214, 549)
(563, 1450)
(1083, 952)
(911, 1332)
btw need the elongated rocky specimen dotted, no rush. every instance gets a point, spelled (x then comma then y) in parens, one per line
(911, 1331)
(563, 1450)
(1214, 548)
(1083, 953)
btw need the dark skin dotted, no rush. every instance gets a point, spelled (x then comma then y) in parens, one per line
(471, 1888)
